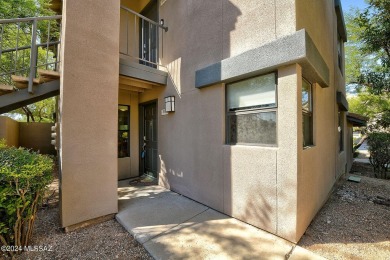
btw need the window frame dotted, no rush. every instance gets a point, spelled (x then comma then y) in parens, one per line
(251, 110)
(128, 131)
(309, 113)
(340, 51)
(341, 130)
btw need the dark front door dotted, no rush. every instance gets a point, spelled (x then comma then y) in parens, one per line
(149, 146)
(148, 35)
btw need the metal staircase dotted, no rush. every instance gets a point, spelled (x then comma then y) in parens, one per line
(29, 60)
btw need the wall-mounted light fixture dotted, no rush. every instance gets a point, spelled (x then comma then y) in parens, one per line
(170, 104)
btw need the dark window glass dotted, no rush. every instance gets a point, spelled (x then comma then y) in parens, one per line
(251, 111)
(307, 129)
(254, 128)
(123, 131)
(340, 44)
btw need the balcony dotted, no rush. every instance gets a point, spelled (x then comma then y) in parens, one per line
(141, 47)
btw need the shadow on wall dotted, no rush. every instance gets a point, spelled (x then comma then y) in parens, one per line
(250, 197)
(185, 51)
(250, 191)
(196, 163)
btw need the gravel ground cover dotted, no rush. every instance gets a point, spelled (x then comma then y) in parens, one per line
(363, 169)
(352, 225)
(107, 240)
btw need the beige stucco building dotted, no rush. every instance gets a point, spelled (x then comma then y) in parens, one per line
(239, 105)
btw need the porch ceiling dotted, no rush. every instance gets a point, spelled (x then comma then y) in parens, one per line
(136, 85)
(56, 6)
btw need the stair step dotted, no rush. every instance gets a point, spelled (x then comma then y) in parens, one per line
(48, 75)
(22, 82)
(5, 89)
(22, 97)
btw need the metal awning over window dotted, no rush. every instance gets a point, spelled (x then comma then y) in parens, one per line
(356, 119)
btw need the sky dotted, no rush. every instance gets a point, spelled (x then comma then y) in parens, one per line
(347, 4)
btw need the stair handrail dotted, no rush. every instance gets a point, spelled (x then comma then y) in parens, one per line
(34, 46)
(29, 19)
(144, 18)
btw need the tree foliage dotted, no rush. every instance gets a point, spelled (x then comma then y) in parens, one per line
(368, 69)
(379, 148)
(367, 104)
(41, 111)
(24, 176)
(24, 8)
(372, 29)
(368, 56)
(375, 24)
(18, 62)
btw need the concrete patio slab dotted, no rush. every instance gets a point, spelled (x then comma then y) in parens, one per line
(149, 211)
(126, 193)
(171, 226)
(212, 235)
(300, 253)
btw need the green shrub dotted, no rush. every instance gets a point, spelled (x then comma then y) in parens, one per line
(2, 143)
(379, 148)
(24, 175)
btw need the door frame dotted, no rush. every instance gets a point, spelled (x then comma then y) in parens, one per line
(141, 109)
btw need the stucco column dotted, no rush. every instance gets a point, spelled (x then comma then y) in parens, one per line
(88, 109)
(290, 146)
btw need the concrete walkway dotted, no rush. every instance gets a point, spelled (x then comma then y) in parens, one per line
(171, 226)
(364, 154)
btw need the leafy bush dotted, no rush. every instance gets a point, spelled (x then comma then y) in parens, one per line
(379, 148)
(24, 175)
(2, 143)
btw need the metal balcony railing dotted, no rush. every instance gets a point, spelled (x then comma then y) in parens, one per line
(140, 37)
(27, 44)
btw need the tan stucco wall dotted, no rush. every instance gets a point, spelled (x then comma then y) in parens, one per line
(129, 167)
(321, 164)
(303, 178)
(290, 144)
(36, 136)
(135, 5)
(250, 192)
(194, 160)
(292, 183)
(89, 109)
(9, 130)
